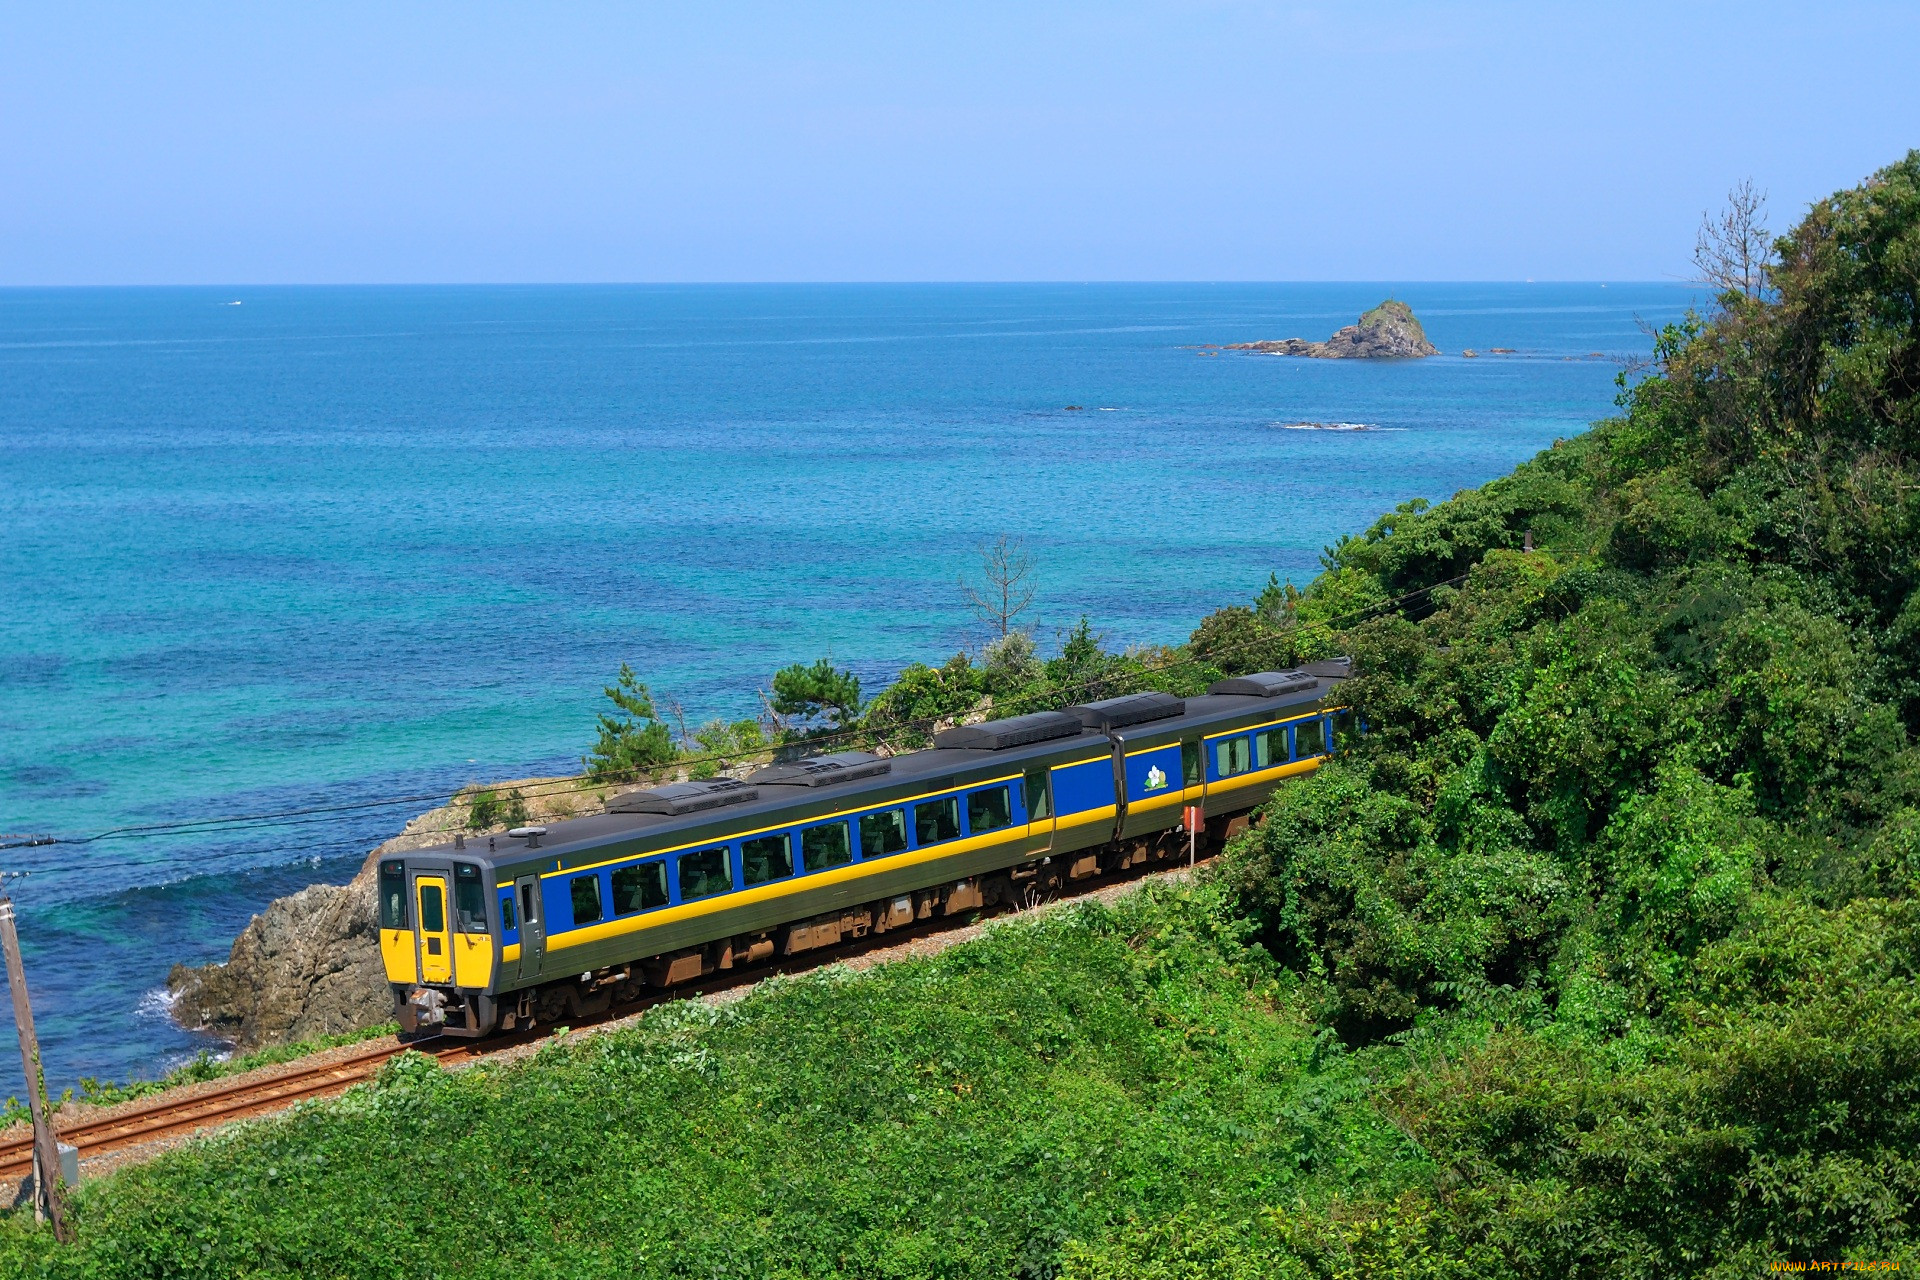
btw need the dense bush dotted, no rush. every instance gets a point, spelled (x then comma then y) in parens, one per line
(1625, 860)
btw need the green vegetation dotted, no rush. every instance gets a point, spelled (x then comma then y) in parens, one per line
(966, 1115)
(486, 808)
(633, 739)
(1599, 955)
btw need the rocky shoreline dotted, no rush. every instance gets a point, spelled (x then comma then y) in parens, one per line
(309, 964)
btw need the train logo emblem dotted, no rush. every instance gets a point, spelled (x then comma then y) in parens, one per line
(1156, 778)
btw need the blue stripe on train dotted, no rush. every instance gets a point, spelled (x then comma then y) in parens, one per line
(1080, 787)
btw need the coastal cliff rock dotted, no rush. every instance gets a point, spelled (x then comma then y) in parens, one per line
(1388, 332)
(309, 965)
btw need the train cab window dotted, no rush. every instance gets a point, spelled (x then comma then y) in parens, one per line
(989, 810)
(883, 833)
(1039, 795)
(393, 895)
(827, 845)
(765, 858)
(469, 898)
(1309, 739)
(937, 820)
(1190, 768)
(639, 888)
(433, 912)
(1233, 755)
(705, 873)
(508, 922)
(585, 891)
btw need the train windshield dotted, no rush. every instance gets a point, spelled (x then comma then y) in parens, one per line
(393, 895)
(469, 898)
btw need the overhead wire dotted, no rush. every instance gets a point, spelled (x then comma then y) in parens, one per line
(311, 814)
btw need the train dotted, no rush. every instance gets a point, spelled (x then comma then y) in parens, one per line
(675, 882)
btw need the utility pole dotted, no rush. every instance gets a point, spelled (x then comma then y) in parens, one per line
(46, 1149)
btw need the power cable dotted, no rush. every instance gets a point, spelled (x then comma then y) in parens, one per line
(318, 813)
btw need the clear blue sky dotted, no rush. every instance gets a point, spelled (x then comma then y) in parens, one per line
(248, 142)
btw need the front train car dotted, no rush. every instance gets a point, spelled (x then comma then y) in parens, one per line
(440, 939)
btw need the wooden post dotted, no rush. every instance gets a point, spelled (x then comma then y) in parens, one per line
(46, 1148)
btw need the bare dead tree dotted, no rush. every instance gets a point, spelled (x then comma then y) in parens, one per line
(1734, 250)
(1005, 588)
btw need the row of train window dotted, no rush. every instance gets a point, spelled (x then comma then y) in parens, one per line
(704, 873)
(1266, 748)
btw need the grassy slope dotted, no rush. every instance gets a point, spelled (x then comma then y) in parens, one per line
(963, 1115)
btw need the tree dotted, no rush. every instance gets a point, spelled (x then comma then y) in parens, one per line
(821, 691)
(718, 745)
(1006, 588)
(633, 741)
(1734, 252)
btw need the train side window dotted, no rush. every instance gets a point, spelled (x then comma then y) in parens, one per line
(1039, 795)
(1233, 755)
(469, 898)
(585, 892)
(641, 887)
(882, 833)
(1309, 739)
(1190, 768)
(765, 858)
(393, 895)
(1269, 748)
(507, 921)
(937, 820)
(989, 810)
(827, 845)
(705, 873)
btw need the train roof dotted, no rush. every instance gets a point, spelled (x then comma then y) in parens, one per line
(799, 790)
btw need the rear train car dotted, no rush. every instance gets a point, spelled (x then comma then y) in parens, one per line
(678, 881)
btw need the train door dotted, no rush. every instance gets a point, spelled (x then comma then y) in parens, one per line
(436, 953)
(1038, 788)
(533, 928)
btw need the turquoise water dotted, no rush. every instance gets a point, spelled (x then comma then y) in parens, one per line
(333, 544)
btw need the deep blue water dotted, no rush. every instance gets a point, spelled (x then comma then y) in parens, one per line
(347, 543)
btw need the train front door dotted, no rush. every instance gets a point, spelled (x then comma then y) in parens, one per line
(533, 927)
(436, 945)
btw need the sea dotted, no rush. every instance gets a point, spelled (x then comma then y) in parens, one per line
(344, 550)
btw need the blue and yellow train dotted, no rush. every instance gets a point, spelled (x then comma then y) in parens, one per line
(675, 882)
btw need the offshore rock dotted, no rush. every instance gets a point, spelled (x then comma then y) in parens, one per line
(309, 965)
(1388, 332)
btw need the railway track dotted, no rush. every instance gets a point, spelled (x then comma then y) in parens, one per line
(165, 1119)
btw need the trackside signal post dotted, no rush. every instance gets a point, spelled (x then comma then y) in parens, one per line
(47, 1186)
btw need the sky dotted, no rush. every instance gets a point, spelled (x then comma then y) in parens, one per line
(543, 142)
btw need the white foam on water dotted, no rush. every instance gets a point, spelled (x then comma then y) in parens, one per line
(1334, 426)
(157, 1003)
